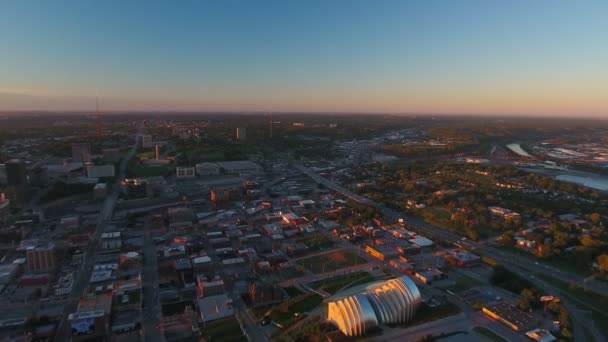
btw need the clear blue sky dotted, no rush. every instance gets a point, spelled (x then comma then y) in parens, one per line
(486, 56)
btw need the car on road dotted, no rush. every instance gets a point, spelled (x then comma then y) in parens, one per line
(265, 320)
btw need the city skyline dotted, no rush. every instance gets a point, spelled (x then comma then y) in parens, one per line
(470, 57)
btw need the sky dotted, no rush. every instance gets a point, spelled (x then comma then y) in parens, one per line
(542, 57)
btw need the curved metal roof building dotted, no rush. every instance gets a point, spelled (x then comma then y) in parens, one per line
(365, 307)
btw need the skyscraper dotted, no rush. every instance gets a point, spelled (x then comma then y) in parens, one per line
(16, 179)
(15, 173)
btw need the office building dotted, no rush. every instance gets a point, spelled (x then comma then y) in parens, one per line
(111, 240)
(100, 191)
(241, 134)
(3, 180)
(41, 258)
(365, 307)
(241, 167)
(146, 141)
(184, 172)
(81, 152)
(138, 188)
(16, 173)
(207, 169)
(99, 171)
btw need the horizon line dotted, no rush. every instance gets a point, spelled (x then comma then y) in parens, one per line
(261, 112)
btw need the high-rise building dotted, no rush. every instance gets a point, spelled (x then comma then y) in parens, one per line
(241, 134)
(3, 174)
(15, 172)
(41, 258)
(16, 179)
(146, 141)
(81, 152)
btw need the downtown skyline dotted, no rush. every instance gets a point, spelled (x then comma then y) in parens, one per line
(466, 57)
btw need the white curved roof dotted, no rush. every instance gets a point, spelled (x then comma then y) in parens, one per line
(389, 302)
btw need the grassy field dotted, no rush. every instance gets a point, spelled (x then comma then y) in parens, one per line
(427, 314)
(224, 330)
(462, 282)
(333, 285)
(331, 261)
(317, 243)
(285, 315)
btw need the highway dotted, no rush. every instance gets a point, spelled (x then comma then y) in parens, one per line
(81, 281)
(517, 264)
(498, 255)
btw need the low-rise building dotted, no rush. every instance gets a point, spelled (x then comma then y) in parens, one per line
(111, 240)
(505, 213)
(428, 277)
(111, 155)
(463, 258)
(243, 167)
(100, 171)
(100, 191)
(215, 307)
(207, 169)
(209, 288)
(541, 335)
(382, 252)
(185, 172)
(510, 316)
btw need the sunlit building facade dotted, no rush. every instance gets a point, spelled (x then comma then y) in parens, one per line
(365, 307)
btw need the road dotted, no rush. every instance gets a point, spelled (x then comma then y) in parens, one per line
(81, 281)
(151, 312)
(513, 262)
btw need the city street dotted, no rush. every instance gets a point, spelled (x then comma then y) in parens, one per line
(151, 311)
(81, 281)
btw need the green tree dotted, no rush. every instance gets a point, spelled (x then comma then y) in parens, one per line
(602, 263)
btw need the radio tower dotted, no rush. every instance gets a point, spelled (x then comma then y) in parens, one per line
(99, 123)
